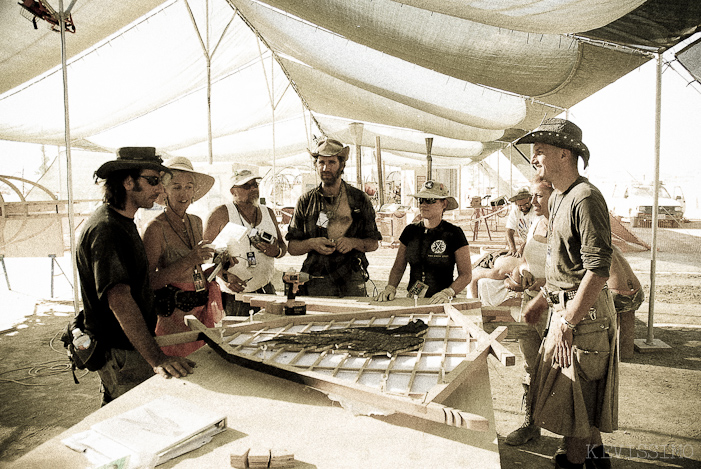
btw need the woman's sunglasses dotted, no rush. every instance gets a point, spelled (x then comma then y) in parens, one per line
(249, 185)
(428, 201)
(152, 180)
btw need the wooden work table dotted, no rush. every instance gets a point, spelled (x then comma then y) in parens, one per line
(268, 411)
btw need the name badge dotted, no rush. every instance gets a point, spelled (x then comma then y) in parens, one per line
(418, 289)
(323, 220)
(251, 258)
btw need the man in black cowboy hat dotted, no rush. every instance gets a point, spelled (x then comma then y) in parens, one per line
(114, 275)
(334, 224)
(574, 392)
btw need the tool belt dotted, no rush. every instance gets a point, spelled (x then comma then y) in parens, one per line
(169, 297)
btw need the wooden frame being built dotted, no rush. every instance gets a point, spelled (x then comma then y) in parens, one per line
(414, 383)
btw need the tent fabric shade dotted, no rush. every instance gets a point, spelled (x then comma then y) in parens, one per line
(476, 72)
(690, 58)
(539, 16)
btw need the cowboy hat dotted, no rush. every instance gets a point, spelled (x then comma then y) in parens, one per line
(239, 178)
(559, 133)
(130, 158)
(523, 193)
(330, 147)
(203, 182)
(436, 190)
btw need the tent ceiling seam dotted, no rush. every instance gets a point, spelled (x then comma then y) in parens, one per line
(644, 51)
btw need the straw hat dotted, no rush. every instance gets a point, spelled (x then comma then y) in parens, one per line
(203, 182)
(130, 158)
(436, 190)
(560, 133)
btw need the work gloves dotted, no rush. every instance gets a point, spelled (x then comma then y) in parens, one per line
(443, 296)
(387, 294)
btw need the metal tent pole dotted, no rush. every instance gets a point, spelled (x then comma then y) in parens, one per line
(429, 159)
(69, 165)
(380, 176)
(356, 131)
(650, 343)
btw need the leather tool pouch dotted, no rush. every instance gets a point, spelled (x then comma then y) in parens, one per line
(92, 358)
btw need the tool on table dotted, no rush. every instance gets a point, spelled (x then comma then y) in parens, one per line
(221, 259)
(292, 282)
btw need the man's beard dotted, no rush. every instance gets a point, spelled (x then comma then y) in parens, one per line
(331, 179)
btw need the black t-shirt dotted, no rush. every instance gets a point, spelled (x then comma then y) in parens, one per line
(111, 252)
(431, 253)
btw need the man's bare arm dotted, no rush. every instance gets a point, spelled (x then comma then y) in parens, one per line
(130, 318)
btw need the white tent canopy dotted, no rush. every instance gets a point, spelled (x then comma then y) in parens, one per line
(471, 75)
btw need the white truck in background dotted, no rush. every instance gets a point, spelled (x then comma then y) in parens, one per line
(633, 203)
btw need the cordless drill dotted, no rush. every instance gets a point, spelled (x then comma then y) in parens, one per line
(292, 281)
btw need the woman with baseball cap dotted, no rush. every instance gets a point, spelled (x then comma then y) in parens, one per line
(433, 248)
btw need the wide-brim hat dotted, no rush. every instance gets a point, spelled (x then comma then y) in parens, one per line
(239, 178)
(523, 193)
(436, 190)
(330, 147)
(203, 182)
(130, 158)
(560, 133)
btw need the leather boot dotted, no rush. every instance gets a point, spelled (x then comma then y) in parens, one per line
(528, 430)
(561, 462)
(597, 458)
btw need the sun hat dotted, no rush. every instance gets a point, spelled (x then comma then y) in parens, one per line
(523, 193)
(436, 190)
(130, 158)
(239, 178)
(330, 147)
(560, 133)
(203, 182)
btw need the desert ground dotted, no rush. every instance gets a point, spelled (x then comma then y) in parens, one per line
(660, 392)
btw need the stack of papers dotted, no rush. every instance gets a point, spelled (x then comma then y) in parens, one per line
(161, 430)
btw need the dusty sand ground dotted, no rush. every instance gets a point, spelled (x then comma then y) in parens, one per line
(660, 394)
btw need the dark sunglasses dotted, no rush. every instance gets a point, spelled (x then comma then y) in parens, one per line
(152, 180)
(249, 185)
(428, 201)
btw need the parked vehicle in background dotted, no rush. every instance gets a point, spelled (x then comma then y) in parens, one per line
(633, 203)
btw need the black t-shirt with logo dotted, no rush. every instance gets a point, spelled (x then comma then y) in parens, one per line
(431, 254)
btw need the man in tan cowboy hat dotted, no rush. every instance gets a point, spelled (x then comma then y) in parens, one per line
(519, 221)
(118, 301)
(257, 252)
(574, 392)
(334, 224)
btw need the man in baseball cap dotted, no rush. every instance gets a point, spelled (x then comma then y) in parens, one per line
(519, 221)
(256, 253)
